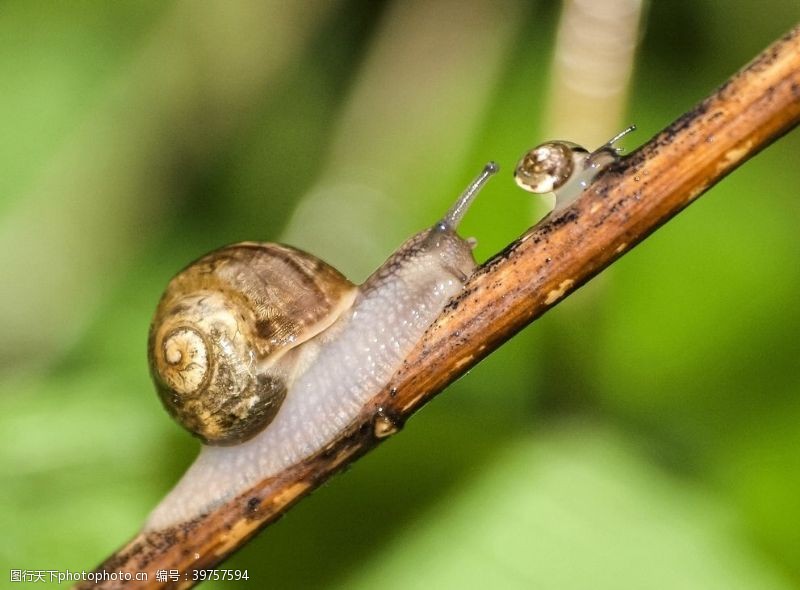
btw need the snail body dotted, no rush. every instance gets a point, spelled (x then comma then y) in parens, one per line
(564, 168)
(326, 369)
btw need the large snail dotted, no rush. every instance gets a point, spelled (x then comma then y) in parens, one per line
(564, 168)
(266, 353)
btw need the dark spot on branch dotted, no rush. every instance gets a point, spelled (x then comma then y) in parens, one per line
(252, 505)
(570, 215)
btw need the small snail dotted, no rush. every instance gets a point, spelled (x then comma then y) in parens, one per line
(564, 168)
(266, 353)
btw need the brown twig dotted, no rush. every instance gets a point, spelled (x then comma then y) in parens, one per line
(622, 207)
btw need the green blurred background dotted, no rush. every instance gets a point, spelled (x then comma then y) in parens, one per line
(642, 435)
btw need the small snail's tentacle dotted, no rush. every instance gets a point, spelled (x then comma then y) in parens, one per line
(608, 153)
(459, 208)
(610, 143)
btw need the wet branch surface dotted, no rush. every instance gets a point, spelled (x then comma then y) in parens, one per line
(622, 207)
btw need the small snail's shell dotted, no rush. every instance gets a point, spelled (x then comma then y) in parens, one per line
(549, 166)
(221, 333)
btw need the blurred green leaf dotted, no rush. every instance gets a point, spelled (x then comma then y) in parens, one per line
(574, 508)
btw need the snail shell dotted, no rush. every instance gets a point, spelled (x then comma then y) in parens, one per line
(549, 166)
(219, 340)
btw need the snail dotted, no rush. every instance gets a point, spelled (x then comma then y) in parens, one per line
(265, 352)
(564, 167)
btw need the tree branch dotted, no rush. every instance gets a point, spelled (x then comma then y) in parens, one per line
(621, 207)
